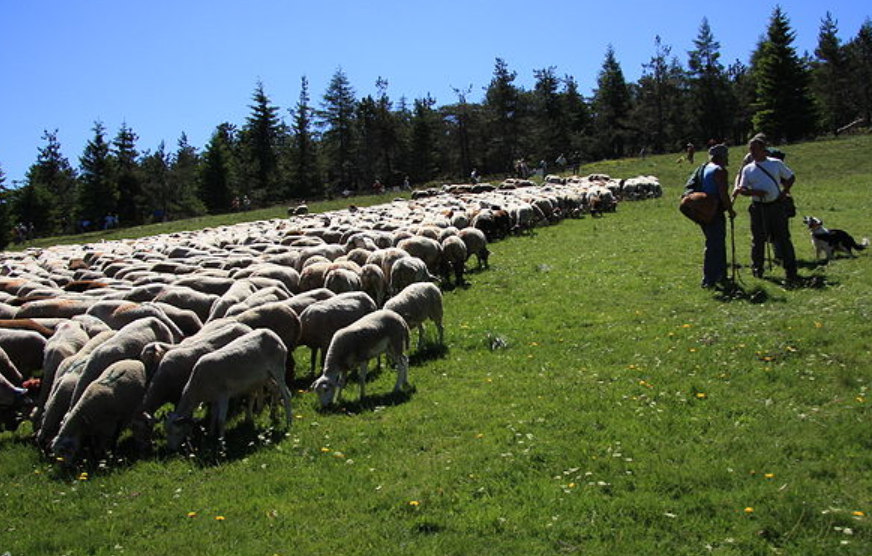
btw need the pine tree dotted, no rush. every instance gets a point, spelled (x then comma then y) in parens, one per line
(549, 129)
(216, 171)
(158, 186)
(260, 141)
(128, 176)
(502, 108)
(711, 102)
(423, 153)
(305, 182)
(860, 62)
(54, 175)
(612, 105)
(830, 76)
(184, 177)
(98, 195)
(336, 118)
(661, 99)
(784, 107)
(576, 111)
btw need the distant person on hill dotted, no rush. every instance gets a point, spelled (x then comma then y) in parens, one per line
(690, 150)
(714, 183)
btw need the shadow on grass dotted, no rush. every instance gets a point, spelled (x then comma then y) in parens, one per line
(372, 402)
(429, 352)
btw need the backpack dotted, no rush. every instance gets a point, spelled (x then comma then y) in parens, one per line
(695, 204)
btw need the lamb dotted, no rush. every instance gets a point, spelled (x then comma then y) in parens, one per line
(66, 378)
(383, 331)
(321, 320)
(417, 303)
(127, 344)
(453, 258)
(241, 367)
(170, 368)
(104, 410)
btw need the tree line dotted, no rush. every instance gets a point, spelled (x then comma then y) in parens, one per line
(345, 143)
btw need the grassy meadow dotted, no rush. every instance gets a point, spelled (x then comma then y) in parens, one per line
(592, 399)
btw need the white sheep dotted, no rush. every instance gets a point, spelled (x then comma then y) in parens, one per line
(416, 303)
(408, 270)
(104, 410)
(453, 259)
(321, 320)
(239, 368)
(341, 280)
(374, 283)
(383, 331)
(476, 244)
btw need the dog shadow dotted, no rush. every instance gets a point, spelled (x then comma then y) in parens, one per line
(736, 292)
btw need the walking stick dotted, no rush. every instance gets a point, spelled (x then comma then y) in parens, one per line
(735, 268)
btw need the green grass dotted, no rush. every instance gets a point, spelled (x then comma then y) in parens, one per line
(592, 400)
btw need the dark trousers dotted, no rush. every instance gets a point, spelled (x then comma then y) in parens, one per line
(714, 265)
(769, 221)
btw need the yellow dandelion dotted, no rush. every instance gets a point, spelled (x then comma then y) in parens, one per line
(325, 450)
(414, 503)
(571, 485)
(701, 395)
(858, 514)
(769, 475)
(534, 344)
(192, 514)
(860, 399)
(692, 350)
(83, 476)
(749, 510)
(489, 380)
(479, 435)
(685, 326)
(219, 518)
(818, 325)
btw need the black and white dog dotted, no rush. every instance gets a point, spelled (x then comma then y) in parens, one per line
(830, 241)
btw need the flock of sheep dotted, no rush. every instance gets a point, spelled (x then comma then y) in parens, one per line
(115, 331)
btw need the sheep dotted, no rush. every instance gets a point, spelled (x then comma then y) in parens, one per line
(408, 271)
(476, 244)
(190, 299)
(312, 276)
(8, 370)
(170, 368)
(427, 249)
(127, 344)
(383, 331)
(386, 258)
(281, 319)
(261, 297)
(126, 314)
(241, 367)
(104, 410)
(417, 303)
(66, 378)
(374, 283)
(25, 349)
(453, 258)
(341, 280)
(239, 291)
(68, 339)
(299, 303)
(27, 324)
(321, 320)
(53, 308)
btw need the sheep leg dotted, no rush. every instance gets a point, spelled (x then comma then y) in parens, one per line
(402, 372)
(221, 405)
(420, 336)
(314, 352)
(361, 376)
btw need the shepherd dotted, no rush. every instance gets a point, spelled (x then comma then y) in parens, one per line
(714, 184)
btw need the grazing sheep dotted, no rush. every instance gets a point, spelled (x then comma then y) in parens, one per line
(129, 313)
(476, 244)
(321, 320)
(170, 368)
(374, 283)
(104, 410)
(383, 331)
(313, 275)
(239, 368)
(239, 291)
(453, 259)
(407, 271)
(261, 297)
(69, 338)
(341, 280)
(27, 324)
(281, 319)
(427, 249)
(301, 302)
(25, 349)
(66, 378)
(189, 299)
(53, 308)
(417, 303)
(127, 344)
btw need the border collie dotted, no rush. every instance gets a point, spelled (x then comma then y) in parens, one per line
(830, 241)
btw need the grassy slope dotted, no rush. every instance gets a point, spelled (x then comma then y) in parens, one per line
(629, 412)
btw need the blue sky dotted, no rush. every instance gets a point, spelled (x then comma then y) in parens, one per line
(167, 67)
